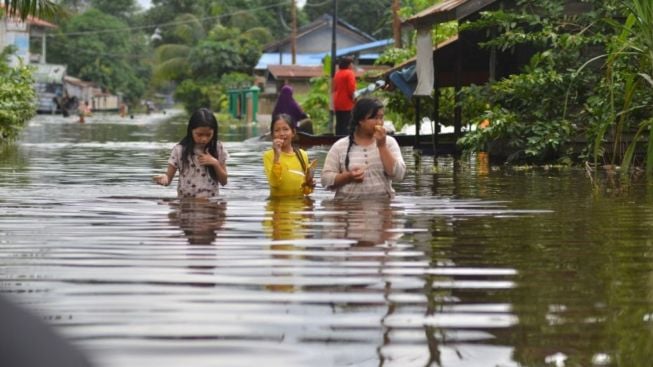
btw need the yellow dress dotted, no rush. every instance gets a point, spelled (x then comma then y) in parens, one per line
(286, 177)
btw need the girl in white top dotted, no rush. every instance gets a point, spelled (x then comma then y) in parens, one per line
(199, 157)
(364, 163)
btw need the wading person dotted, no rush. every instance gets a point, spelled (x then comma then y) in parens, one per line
(199, 157)
(365, 163)
(287, 168)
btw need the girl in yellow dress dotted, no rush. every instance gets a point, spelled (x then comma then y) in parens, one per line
(287, 168)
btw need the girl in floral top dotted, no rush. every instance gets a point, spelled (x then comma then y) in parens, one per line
(199, 157)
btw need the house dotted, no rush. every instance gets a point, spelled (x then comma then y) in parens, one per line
(459, 61)
(315, 37)
(88, 91)
(18, 33)
(299, 76)
(313, 43)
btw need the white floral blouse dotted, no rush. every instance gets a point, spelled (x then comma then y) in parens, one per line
(194, 179)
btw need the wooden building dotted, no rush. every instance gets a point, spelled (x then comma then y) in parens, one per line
(460, 61)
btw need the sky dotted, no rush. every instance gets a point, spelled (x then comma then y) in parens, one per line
(145, 4)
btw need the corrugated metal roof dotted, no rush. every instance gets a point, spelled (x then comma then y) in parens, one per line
(301, 71)
(295, 71)
(447, 11)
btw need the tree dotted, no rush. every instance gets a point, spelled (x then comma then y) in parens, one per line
(16, 96)
(118, 8)
(103, 49)
(371, 16)
(39, 8)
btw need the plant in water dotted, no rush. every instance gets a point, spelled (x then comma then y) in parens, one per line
(641, 42)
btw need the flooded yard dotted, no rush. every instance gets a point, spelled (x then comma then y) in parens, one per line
(467, 266)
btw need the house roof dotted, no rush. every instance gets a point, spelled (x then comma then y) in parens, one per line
(313, 59)
(272, 58)
(307, 72)
(314, 25)
(49, 73)
(473, 70)
(295, 71)
(78, 82)
(365, 47)
(31, 20)
(447, 11)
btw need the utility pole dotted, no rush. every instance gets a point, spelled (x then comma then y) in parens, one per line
(333, 62)
(396, 23)
(293, 32)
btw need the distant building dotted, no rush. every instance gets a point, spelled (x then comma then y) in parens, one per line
(315, 37)
(89, 91)
(15, 32)
(313, 44)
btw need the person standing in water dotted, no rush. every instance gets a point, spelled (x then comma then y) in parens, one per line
(287, 168)
(365, 163)
(199, 157)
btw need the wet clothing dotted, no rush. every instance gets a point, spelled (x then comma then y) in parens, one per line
(194, 179)
(286, 177)
(376, 183)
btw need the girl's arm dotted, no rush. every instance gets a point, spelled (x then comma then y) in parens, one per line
(220, 169)
(166, 178)
(390, 153)
(273, 170)
(331, 177)
(221, 172)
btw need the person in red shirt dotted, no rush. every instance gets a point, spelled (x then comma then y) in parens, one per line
(344, 86)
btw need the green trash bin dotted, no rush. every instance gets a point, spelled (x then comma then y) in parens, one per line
(235, 102)
(251, 106)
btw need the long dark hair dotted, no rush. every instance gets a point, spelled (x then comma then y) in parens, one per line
(363, 109)
(289, 120)
(201, 118)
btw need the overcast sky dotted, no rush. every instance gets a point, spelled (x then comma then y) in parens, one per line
(146, 3)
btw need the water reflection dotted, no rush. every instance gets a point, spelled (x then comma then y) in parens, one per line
(288, 218)
(467, 266)
(199, 219)
(368, 222)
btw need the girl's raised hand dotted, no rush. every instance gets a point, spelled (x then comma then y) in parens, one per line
(276, 145)
(379, 135)
(206, 159)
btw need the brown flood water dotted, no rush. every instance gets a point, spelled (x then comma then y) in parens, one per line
(467, 266)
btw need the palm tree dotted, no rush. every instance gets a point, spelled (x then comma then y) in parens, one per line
(38, 8)
(171, 59)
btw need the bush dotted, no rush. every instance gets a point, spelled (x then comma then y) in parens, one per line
(17, 98)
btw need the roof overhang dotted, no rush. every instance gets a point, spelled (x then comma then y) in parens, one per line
(446, 11)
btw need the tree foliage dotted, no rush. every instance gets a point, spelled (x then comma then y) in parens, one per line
(373, 17)
(122, 9)
(16, 97)
(46, 9)
(101, 48)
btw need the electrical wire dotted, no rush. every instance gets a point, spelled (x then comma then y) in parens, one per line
(173, 23)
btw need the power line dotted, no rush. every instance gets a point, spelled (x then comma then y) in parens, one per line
(150, 26)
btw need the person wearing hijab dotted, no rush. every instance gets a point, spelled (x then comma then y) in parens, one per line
(287, 104)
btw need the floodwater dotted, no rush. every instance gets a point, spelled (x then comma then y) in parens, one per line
(467, 266)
